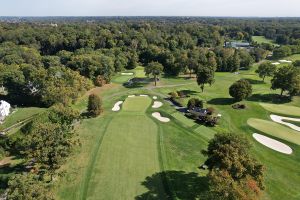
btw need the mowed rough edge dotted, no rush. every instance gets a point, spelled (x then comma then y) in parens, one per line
(128, 155)
(282, 109)
(275, 129)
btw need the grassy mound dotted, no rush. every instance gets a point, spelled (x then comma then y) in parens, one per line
(275, 130)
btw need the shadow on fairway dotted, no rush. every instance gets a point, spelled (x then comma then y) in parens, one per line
(269, 98)
(254, 81)
(177, 185)
(222, 101)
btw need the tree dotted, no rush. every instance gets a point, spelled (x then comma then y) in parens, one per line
(194, 102)
(287, 78)
(155, 69)
(95, 105)
(240, 90)
(266, 69)
(205, 75)
(233, 172)
(27, 187)
(282, 51)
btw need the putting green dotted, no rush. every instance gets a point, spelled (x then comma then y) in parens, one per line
(282, 109)
(275, 129)
(128, 154)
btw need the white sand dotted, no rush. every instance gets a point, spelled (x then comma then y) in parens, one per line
(285, 61)
(157, 104)
(273, 144)
(130, 96)
(127, 74)
(117, 106)
(278, 119)
(159, 117)
(154, 97)
(276, 63)
(143, 95)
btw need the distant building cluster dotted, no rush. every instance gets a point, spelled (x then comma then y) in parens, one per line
(237, 45)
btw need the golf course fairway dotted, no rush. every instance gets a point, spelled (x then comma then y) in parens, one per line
(127, 155)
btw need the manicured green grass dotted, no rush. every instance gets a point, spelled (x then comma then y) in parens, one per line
(186, 121)
(19, 115)
(139, 72)
(293, 57)
(282, 109)
(136, 104)
(262, 39)
(205, 132)
(275, 130)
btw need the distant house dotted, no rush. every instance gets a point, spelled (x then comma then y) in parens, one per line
(237, 45)
(4, 110)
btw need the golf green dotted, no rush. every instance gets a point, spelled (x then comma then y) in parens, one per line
(275, 129)
(128, 154)
(282, 109)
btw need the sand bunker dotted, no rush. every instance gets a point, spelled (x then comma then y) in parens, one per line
(130, 96)
(273, 144)
(159, 117)
(154, 97)
(127, 74)
(143, 95)
(157, 104)
(117, 106)
(285, 61)
(278, 119)
(276, 63)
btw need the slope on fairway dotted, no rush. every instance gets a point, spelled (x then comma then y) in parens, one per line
(128, 154)
(275, 129)
(282, 109)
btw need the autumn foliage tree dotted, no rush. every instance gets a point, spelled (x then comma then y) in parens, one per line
(94, 105)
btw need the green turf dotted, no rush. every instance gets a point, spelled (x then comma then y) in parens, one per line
(276, 130)
(262, 39)
(19, 115)
(205, 132)
(186, 121)
(282, 109)
(139, 72)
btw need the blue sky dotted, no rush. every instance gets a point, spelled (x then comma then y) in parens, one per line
(268, 8)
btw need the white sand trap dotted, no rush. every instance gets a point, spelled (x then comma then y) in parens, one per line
(154, 97)
(127, 74)
(276, 63)
(159, 117)
(278, 119)
(273, 144)
(285, 61)
(157, 104)
(117, 106)
(130, 96)
(143, 95)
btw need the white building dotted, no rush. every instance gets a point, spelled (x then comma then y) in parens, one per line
(4, 109)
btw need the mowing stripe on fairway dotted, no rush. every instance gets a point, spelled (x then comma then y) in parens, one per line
(275, 129)
(128, 155)
(282, 109)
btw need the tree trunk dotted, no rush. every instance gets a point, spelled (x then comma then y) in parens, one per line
(264, 78)
(281, 92)
(202, 88)
(155, 79)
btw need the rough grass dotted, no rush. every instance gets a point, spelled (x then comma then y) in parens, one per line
(186, 121)
(275, 130)
(282, 109)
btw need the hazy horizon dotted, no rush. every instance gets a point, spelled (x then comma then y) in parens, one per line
(191, 8)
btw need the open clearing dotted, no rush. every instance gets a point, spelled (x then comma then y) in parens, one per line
(273, 144)
(282, 109)
(263, 39)
(275, 130)
(128, 154)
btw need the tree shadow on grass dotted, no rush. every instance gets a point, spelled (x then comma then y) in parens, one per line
(176, 184)
(269, 98)
(187, 93)
(222, 101)
(254, 81)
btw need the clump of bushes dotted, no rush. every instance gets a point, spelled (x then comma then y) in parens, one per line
(194, 102)
(239, 106)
